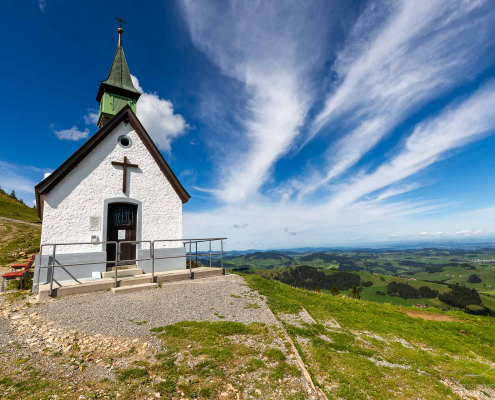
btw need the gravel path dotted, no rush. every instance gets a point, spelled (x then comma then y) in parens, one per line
(211, 299)
(6, 334)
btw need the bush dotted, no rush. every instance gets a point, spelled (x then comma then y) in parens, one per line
(354, 293)
(380, 293)
(367, 284)
(334, 290)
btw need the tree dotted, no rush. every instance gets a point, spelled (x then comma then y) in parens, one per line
(22, 201)
(334, 290)
(354, 293)
(13, 194)
(473, 278)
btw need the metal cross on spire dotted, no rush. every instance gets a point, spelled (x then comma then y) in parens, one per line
(120, 30)
(121, 20)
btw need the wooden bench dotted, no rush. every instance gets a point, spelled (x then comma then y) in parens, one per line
(18, 271)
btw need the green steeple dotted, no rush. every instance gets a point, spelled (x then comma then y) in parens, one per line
(117, 90)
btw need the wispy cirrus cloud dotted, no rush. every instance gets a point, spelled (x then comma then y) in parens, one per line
(271, 49)
(399, 56)
(430, 141)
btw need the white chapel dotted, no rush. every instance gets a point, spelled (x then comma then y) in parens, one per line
(116, 187)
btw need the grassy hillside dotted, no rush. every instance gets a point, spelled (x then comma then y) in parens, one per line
(17, 240)
(12, 208)
(362, 350)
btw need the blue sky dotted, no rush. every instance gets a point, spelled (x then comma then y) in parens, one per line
(290, 123)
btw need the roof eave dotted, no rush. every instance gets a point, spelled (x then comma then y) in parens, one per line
(105, 87)
(125, 114)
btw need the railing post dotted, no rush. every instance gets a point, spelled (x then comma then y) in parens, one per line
(152, 253)
(117, 254)
(52, 269)
(39, 270)
(196, 254)
(221, 256)
(210, 253)
(190, 260)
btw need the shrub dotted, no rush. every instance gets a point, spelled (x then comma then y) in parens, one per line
(367, 284)
(354, 293)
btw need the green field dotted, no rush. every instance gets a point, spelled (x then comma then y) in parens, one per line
(412, 267)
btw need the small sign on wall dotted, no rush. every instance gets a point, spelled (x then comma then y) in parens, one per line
(94, 223)
(121, 234)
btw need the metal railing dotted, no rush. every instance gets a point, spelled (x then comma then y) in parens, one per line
(118, 252)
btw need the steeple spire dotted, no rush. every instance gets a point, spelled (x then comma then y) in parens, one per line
(117, 90)
(120, 30)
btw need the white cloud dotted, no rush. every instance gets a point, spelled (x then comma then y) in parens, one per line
(73, 133)
(91, 118)
(158, 118)
(464, 231)
(42, 4)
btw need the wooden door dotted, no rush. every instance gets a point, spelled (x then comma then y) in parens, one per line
(121, 226)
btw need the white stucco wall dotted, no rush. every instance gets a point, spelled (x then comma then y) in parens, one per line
(82, 194)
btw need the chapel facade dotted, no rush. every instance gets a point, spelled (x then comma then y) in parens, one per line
(116, 187)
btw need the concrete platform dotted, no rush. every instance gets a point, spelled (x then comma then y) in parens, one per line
(135, 288)
(121, 273)
(67, 288)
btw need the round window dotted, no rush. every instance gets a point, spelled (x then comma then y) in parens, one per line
(125, 141)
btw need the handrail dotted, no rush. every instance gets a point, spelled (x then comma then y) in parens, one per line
(54, 245)
(133, 242)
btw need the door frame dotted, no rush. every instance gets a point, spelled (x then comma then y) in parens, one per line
(139, 216)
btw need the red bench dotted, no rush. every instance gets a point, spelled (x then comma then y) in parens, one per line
(18, 271)
(22, 266)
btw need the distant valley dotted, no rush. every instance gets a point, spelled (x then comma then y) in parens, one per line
(448, 279)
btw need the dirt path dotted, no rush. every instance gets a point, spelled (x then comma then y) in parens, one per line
(431, 316)
(20, 222)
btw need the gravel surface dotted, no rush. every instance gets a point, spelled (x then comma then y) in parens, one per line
(134, 314)
(6, 334)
